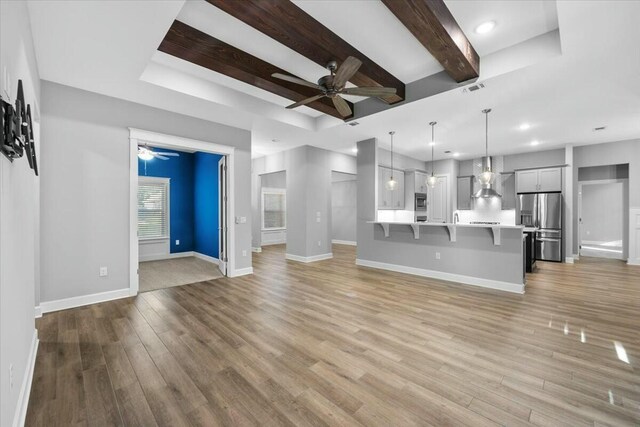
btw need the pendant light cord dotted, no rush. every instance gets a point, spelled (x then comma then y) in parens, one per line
(391, 133)
(433, 126)
(486, 131)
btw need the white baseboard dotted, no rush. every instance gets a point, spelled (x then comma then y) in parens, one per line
(241, 272)
(344, 242)
(258, 250)
(278, 242)
(20, 415)
(451, 277)
(568, 260)
(38, 312)
(635, 261)
(63, 304)
(204, 257)
(307, 259)
(166, 256)
(575, 257)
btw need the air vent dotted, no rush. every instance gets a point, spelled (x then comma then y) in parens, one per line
(447, 152)
(600, 128)
(353, 123)
(473, 88)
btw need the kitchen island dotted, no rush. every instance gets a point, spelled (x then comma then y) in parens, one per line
(474, 254)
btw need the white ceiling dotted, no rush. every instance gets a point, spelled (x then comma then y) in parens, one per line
(596, 80)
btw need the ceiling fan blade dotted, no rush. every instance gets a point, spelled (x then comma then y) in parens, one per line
(157, 156)
(370, 91)
(305, 101)
(341, 106)
(346, 70)
(167, 154)
(295, 80)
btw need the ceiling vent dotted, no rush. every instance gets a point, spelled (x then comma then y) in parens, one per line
(599, 128)
(353, 123)
(473, 88)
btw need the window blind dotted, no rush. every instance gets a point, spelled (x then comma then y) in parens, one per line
(274, 210)
(153, 210)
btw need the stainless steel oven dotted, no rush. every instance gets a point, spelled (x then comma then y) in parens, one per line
(420, 202)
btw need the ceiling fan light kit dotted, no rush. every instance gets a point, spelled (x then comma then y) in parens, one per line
(333, 85)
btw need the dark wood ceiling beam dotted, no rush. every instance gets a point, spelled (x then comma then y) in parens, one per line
(190, 44)
(291, 26)
(431, 22)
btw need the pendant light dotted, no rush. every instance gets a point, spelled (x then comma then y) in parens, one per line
(392, 183)
(487, 176)
(432, 180)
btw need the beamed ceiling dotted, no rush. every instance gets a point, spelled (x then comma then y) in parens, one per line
(430, 21)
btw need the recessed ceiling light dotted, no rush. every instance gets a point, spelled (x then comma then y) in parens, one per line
(432, 143)
(525, 126)
(485, 27)
(535, 142)
(456, 154)
(354, 150)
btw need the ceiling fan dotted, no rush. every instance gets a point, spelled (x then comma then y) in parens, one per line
(145, 153)
(332, 86)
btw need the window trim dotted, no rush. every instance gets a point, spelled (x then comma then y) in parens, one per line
(167, 183)
(267, 190)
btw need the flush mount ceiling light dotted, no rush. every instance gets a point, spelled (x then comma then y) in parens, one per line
(432, 180)
(534, 143)
(525, 126)
(485, 27)
(392, 183)
(354, 150)
(456, 154)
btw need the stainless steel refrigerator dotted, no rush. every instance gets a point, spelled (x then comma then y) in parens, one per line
(544, 212)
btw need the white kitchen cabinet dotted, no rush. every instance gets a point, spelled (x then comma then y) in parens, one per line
(388, 199)
(421, 182)
(438, 201)
(539, 180)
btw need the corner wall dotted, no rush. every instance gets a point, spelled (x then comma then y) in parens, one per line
(19, 223)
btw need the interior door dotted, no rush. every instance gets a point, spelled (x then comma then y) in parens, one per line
(601, 220)
(222, 215)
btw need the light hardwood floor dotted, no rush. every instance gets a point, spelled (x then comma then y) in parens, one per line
(329, 343)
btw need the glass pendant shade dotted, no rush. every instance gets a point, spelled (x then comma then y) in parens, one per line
(486, 177)
(144, 154)
(391, 184)
(431, 181)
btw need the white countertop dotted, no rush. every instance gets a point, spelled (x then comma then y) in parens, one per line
(448, 224)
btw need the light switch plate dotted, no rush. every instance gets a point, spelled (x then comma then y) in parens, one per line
(177, 242)
(103, 272)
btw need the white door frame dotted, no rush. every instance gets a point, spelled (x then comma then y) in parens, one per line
(625, 192)
(154, 139)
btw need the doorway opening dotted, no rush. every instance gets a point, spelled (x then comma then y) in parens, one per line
(602, 213)
(181, 199)
(344, 191)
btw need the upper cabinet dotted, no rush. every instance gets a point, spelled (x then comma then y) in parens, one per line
(539, 180)
(390, 199)
(420, 182)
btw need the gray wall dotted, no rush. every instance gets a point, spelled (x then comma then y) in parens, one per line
(613, 153)
(595, 173)
(19, 213)
(274, 180)
(474, 245)
(536, 159)
(308, 171)
(400, 161)
(603, 212)
(343, 206)
(85, 186)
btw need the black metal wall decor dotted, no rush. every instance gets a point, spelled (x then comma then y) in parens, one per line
(17, 130)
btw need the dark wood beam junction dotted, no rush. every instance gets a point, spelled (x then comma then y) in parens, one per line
(190, 44)
(291, 26)
(431, 22)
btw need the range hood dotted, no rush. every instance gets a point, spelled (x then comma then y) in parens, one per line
(487, 191)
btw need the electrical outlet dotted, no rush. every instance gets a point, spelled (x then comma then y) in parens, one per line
(243, 220)
(103, 272)
(244, 253)
(11, 376)
(177, 242)
(437, 255)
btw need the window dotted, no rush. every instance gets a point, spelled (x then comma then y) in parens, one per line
(153, 208)
(274, 208)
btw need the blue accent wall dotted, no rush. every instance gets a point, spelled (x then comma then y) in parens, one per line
(206, 203)
(193, 198)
